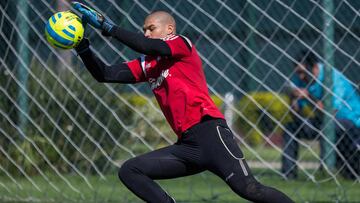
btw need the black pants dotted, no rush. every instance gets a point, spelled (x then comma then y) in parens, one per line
(347, 137)
(300, 130)
(209, 145)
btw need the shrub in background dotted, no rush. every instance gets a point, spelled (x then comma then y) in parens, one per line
(254, 108)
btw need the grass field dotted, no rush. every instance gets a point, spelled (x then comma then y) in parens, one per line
(270, 154)
(203, 187)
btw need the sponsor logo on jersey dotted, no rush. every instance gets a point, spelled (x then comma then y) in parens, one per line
(156, 82)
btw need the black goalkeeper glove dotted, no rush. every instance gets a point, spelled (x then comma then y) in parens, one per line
(83, 46)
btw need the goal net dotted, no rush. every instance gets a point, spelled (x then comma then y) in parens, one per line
(63, 135)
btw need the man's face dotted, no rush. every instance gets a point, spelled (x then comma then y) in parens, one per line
(154, 28)
(301, 72)
(307, 76)
(315, 71)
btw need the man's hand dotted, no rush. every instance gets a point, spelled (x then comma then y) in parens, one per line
(93, 17)
(301, 93)
(320, 105)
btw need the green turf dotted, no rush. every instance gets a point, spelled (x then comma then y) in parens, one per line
(271, 154)
(204, 187)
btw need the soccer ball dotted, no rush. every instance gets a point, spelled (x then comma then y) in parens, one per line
(64, 30)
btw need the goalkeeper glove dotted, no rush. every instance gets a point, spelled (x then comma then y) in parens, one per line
(93, 17)
(83, 46)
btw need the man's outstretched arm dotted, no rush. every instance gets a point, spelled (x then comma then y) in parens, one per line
(135, 41)
(119, 73)
(138, 42)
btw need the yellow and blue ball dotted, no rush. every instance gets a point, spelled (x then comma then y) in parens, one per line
(64, 30)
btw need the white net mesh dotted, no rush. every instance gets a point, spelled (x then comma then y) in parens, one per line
(63, 135)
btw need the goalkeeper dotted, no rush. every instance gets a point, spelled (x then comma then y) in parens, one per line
(172, 67)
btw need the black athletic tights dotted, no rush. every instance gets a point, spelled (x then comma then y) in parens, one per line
(209, 145)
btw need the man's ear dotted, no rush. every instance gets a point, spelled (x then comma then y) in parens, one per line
(170, 29)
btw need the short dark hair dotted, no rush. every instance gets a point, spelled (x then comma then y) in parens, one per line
(308, 58)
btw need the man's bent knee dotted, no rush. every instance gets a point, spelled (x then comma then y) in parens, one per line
(247, 187)
(127, 169)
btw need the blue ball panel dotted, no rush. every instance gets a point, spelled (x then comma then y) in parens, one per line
(57, 37)
(53, 19)
(68, 33)
(72, 27)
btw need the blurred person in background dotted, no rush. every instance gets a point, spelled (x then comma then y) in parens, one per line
(306, 92)
(172, 67)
